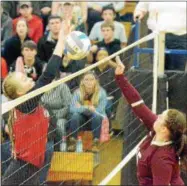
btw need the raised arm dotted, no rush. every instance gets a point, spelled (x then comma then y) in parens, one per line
(134, 98)
(50, 72)
(55, 61)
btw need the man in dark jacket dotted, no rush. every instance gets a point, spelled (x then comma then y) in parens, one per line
(48, 42)
(6, 26)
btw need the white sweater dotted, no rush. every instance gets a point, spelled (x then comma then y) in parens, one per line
(165, 16)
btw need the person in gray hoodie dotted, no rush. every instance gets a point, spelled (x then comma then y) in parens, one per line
(6, 26)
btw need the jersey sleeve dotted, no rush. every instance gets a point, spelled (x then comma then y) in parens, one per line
(132, 96)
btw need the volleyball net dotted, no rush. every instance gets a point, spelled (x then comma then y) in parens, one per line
(95, 167)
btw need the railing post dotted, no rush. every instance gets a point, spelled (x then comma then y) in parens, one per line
(161, 53)
(136, 38)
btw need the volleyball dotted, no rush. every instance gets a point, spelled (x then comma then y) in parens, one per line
(77, 45)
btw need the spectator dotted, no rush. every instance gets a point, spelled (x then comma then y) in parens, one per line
(105, 73)
(89, 101)
(73, 12)
(29, 63)
(95, 10)
(109, 42)
(12, 47)
(108, 14)
(11, 8)
(6, 26)
(48, 42)
(34, 22)
(43, 10)
(58, 109)
(69, 67)
(169, 17)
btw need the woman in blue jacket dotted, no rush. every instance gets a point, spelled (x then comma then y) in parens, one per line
(89, 103)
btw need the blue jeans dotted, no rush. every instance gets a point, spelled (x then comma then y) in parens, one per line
(78, 119)
(5, 155)
(47, 162)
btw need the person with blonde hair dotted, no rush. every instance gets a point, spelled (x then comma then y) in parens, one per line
(165, 148)
(28, 122)
(89, 102)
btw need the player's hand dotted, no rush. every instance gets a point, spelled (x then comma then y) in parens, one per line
(120, 66)
(94, 49)
(138, 15)
(91, 108)
(45, 10)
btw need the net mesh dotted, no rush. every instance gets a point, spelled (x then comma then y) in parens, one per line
(88, 167)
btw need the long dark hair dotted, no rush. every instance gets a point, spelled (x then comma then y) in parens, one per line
(177, 124)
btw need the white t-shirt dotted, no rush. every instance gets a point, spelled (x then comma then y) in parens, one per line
(119, 32)
(165, 16)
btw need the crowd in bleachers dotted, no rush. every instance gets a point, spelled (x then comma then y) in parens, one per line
(29, 34)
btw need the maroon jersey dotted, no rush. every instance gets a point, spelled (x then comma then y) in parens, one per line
(157, 165)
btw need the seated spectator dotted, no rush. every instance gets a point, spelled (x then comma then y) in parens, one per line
(6, 26)
(169, 17)
(89, 101)
(95, 10)
(58, 109)
(48, 42)
(105, 73)
(108, 14)
(12, 47)
(34, 22)
(70, 10)
(29, 63)
(69, 67)
(109, 42)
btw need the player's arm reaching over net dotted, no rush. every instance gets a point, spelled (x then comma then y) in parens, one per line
(133, 97)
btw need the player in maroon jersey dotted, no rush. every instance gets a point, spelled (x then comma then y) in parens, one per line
(166, 144)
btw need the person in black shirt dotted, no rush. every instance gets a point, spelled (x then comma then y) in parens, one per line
(29, 64)
(109, 42)
(48, 42)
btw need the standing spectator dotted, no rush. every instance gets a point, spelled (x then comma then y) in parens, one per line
(109, 42)
(12, 47)
(89, 100)
(48, 42)
(169, 17)
(108, 14)
(34, 22)
(29, 64)
(6, 26)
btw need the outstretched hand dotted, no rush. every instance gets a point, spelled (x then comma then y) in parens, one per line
(66, 29)
(120, 66)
